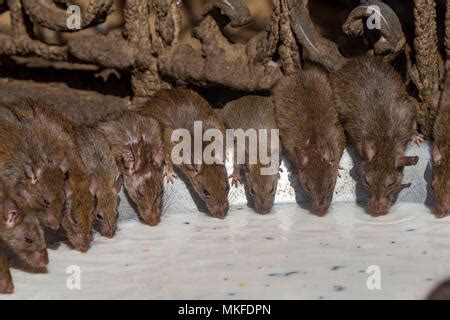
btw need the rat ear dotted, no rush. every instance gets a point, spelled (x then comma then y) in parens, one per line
(302, 158)
(118, 183)
(11, 213)
(64, 164)
(67, 189)
(436, 155)
(93, 185)
(27, 196)
(128, 158)
(32, 173)
(160, 155)
(403, 161)
(367, 149)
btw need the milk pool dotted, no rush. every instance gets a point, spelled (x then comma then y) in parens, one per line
(289, 254)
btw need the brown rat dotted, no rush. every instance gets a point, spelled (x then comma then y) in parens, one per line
(136, 144)
(58, 137)
(179, 109)
(99, 161)
(253, 112)
(311, 133)
(27, 242)
(378, 116)
(441, 162)
(26, 171)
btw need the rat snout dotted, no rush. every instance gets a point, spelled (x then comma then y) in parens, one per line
(379, 207)
(152, 217)
(108, 232)
(81, 243)
(219, 210)
(52, 222)
(320, 207)
(262, 206)
(262, 209)
(39, 259)
(442, 209)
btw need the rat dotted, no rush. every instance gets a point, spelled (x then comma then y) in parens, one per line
(178, 109)
(27, 242)
(25, 170)
(58, 137)
(99, 161)
(310, 132)
(253, 112)
(137, 146)
(441, 162)
(379, 118)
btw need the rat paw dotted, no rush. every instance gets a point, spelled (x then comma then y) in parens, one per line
(235, 180)
(417, 139)
(171, 176)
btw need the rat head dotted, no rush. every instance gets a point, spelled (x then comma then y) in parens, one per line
(210, 182)
(106, 213)
(10, 215)
(441, 181)
(382, 173)
(27, 241)
(143, 179)
(318, 169)
(262, 188)
(78, 213)
(44, 192)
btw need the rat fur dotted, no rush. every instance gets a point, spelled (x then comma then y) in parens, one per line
(311, 133)
(379, 118)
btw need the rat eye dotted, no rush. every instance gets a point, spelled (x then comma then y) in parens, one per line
(272, 190)
(46, 203)
(28, 240)
(140, 193)
(99, 217)
(308, 188)
(252, 192)
(206, 193)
